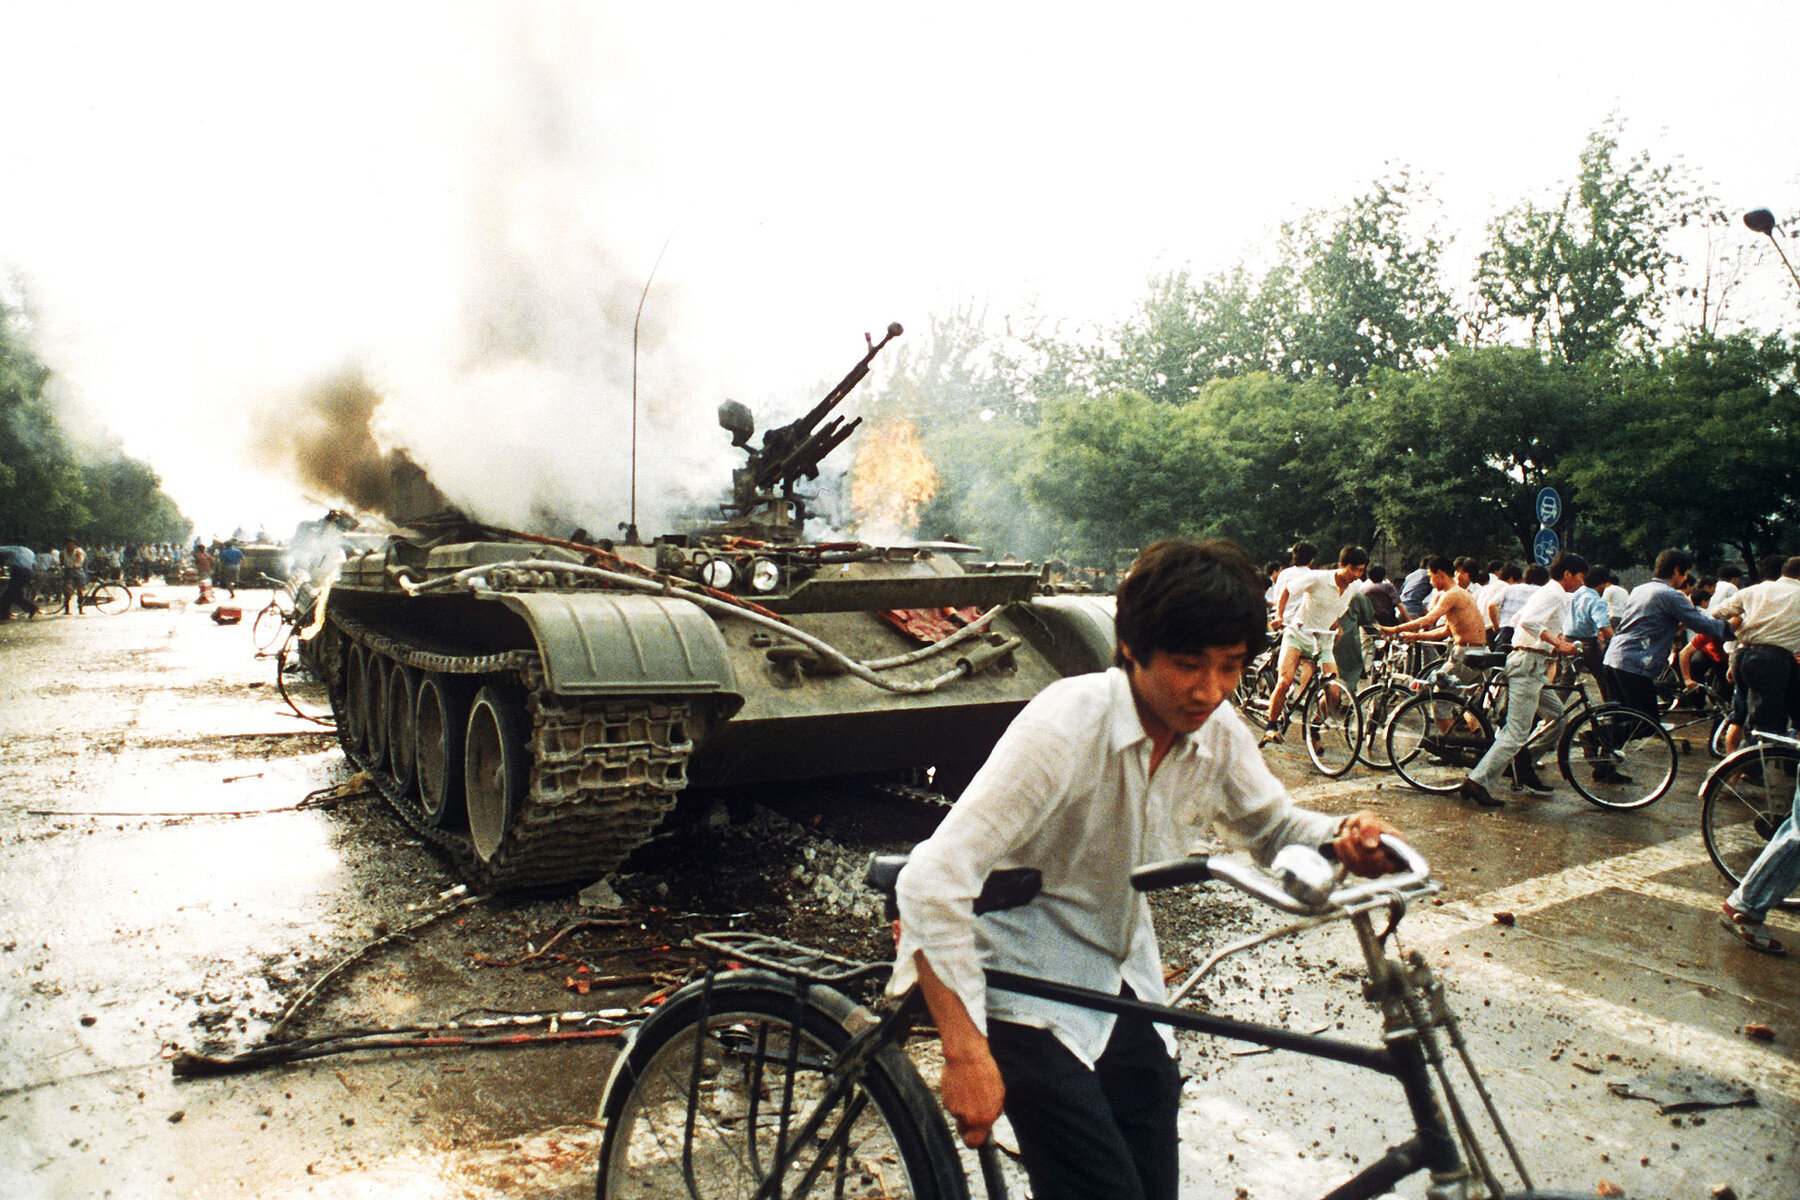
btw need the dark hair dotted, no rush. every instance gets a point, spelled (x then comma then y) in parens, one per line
(1511, 572)
(1377, 573)
(1791, 568)
(1184, 596)
(1438, 562)
(1731, 571)
(1769, 566)
(1353, 556)
(1494, 566)
(1567, 564)
(1536, 575)
(1671, 561)
(1465, 563)
(1599, 575)
(1304, 553)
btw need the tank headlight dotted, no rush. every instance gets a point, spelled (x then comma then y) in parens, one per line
(765, 575)
(718, 573)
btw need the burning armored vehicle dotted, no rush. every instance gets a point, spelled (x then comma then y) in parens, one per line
(533, 706)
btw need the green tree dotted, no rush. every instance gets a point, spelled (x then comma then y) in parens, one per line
(1699, 446)
(49, 489)
(1588, 275)
(1453, 458)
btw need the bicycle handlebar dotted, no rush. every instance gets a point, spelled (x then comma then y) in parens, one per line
(1285, 891)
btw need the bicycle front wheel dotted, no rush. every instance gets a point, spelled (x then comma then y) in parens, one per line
(1333, 722)
(1743, 802)
(110, 598)
(268, 628)
(1434, 741)
(1617, 757)
(707, 1109)
(1378, 702)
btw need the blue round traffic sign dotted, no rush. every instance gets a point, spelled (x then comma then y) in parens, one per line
(1549, 507)
(1545, 546)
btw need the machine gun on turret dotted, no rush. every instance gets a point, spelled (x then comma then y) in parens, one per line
(790, 453)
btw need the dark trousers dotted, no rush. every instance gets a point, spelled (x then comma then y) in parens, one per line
(1773, 681)
(1106, 1133)
(1634, 690)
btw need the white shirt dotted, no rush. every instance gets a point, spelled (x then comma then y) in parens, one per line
(1617, 598)
(1723, 592)
(1771, 612)
(1284, 582)
(1487, 594)
(1545, 612)
(1067, 790)
(1314, 601)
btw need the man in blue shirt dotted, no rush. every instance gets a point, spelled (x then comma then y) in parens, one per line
(1639, 650)
(1416, 587)
(20, 565)
(1590, 627)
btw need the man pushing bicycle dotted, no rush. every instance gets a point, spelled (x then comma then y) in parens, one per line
(1100, 774)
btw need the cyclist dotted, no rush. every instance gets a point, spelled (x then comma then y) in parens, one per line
(1453, 618)
(1308, 607)
(1642, 640)
(1537, 632)
(1099, 774)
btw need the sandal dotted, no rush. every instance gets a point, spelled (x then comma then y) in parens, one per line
(1747, 931)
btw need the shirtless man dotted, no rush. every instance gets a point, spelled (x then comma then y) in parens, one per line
(1454, 618)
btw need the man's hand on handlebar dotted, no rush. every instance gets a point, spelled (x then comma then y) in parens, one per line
(1358, 845)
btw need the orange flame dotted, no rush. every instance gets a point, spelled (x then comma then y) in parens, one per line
(890, 479)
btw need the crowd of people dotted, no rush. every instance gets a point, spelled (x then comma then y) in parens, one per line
(1709, 631)
(64, 571)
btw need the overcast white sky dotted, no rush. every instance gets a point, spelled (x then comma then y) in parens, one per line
(212, 205)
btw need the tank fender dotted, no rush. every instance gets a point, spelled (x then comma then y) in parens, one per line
(596, 643)
(1083, 629)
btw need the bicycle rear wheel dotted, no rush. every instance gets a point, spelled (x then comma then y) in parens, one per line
(702, 1112)
(1333, 727)
(1742, 803)
(1434, 741)
(110, 598)
(1617, 757)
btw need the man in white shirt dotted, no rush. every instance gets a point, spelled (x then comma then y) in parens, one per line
(1098, 775)
(1537, 633)
(1307, 608)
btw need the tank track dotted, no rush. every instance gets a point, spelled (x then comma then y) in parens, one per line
(604, 771)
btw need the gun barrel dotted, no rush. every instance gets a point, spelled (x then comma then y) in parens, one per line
(845, 385)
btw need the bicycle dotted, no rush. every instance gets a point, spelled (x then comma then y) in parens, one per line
(276, 620)
(1331, 718)
(1614, 756)
(764, 1079)
(110, 596)
(1389, 687)
(1744, 799)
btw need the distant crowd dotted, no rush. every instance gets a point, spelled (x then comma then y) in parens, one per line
(39, 579)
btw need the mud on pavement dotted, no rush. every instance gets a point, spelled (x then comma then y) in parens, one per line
(189, 864)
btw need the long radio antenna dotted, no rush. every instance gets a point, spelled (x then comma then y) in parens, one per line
(630, 528)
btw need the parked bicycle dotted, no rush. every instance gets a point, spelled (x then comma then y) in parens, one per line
(1744, 799)
(765, 1079)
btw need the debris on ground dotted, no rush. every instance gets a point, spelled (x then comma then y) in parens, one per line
(1759, 1032)
(1684, 1090)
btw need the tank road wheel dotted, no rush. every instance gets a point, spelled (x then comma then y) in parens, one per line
(440, 719)
(495, 767)
(375, 677)
(356, 696)
(403, 686)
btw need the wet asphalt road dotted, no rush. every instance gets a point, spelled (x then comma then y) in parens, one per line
(128, 931)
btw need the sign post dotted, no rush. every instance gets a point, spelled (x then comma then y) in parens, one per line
(1549, 512)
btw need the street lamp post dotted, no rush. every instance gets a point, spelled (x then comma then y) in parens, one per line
(1762, 221)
